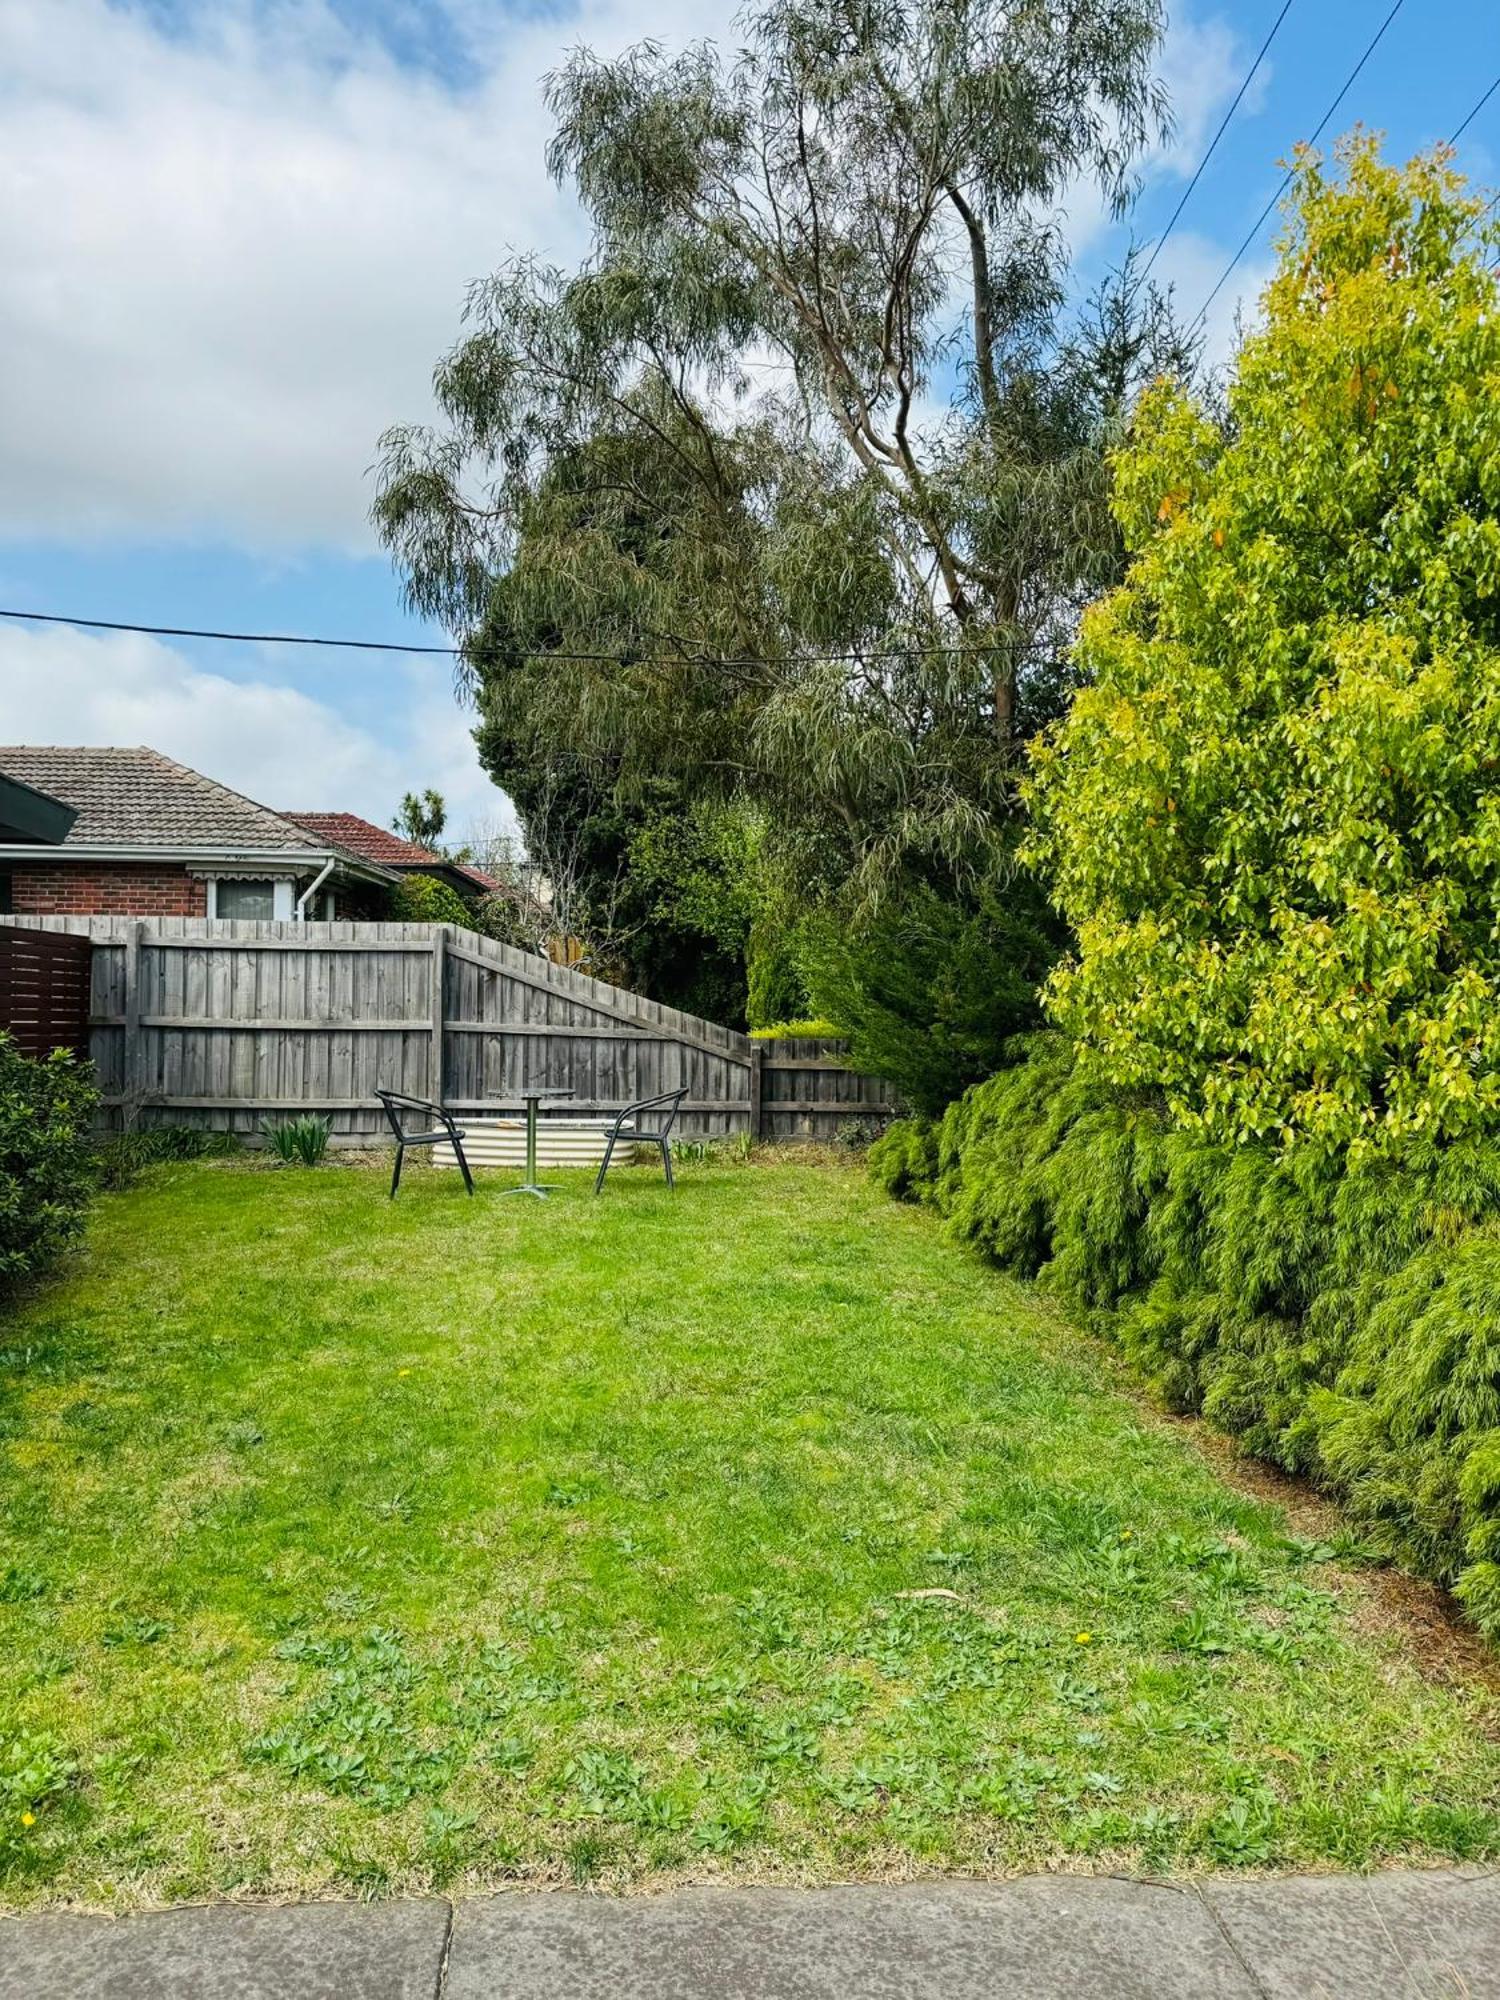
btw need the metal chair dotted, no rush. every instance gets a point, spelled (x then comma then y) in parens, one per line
(645, 1131)
(446, 1132)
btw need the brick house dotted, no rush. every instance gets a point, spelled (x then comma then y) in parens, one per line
(149, 837)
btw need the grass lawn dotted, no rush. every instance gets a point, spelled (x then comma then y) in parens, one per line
(759, 1530)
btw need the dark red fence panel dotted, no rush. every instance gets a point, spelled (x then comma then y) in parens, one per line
(44, 990)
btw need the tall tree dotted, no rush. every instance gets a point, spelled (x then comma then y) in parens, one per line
(795, 487)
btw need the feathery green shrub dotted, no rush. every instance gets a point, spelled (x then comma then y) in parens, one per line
(1342, 1321)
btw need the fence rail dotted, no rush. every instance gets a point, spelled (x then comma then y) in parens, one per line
(193, 1021)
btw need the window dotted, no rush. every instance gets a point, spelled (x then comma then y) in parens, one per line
(249, 897)
(7, 895)
(246, 899)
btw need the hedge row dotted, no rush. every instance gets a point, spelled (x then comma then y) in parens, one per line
(1343, 1322)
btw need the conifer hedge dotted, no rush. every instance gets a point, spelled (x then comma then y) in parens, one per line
(1345, 1324)
(1267, 1154)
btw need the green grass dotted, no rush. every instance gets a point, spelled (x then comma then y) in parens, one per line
(349, 1545)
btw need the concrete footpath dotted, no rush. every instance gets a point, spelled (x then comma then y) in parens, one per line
(1409, 1936)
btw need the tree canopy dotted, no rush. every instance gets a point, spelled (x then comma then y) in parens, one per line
(1272, 817)
(422, 817)
(793, 489)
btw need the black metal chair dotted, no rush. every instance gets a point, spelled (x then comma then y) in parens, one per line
(639, 1130)
(446, 1132)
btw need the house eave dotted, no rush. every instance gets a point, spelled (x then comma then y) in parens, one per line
(203, 857)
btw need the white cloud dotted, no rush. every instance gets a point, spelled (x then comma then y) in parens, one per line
(233, 249)
(1200, 65)
(232, 254)
(273, 742)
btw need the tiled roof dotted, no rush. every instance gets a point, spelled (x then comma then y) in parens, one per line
(376, 843)
(139, 798)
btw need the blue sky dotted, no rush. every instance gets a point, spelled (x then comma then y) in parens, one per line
(236, 236)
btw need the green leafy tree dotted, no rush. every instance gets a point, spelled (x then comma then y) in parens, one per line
(930, 991)
(792, 491)
(1273, 817)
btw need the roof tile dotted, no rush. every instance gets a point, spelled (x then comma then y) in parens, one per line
(137, 797)
(376, 843)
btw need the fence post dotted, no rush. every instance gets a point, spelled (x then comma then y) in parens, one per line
(757, 1063)
(132, 1079)
(435, 1061)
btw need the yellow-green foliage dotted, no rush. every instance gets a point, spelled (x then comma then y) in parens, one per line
(785, 1031)
(1343, 1323)
(1273, 817)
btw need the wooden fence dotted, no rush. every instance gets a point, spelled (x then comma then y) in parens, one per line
(229, 1024)
(44, 990)
(802, 1087)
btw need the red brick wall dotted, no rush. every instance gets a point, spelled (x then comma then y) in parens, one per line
(105, 888)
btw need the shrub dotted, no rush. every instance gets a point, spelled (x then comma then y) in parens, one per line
(1344, 1323)
(45, 1164)
(423, 899)
(904, 1158)
(929, 991)
(785, 1031)
(299, 1141)
(122, 1157)
(1272, 819)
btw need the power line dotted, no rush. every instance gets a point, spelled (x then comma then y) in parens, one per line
(1475, 112)
(1213, 143)
(1348, 84)
(871, 656)
(236, 638)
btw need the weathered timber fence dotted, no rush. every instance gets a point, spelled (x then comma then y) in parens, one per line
(228, 1024)
(803, 1088)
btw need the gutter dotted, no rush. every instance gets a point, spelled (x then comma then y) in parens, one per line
(196, 855)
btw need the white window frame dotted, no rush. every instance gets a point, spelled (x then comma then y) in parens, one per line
(282, 898)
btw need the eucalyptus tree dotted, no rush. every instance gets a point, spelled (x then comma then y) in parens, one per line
(802, 449)
(793, 487)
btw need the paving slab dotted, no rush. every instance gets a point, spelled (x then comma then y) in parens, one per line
(1413, 1935)
(228, 1951)
(1045, 1938)
(1399, 1936)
